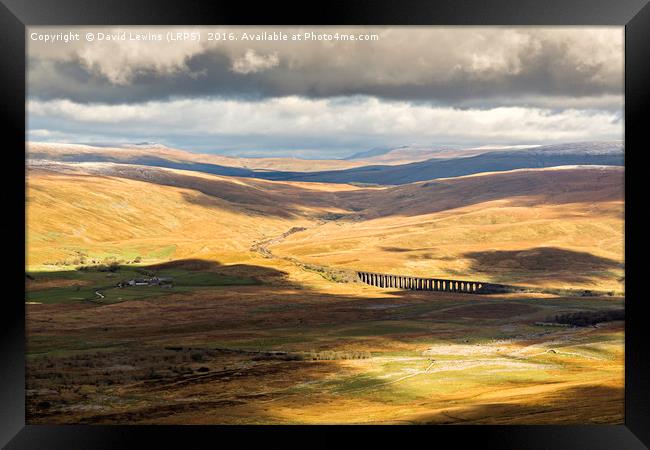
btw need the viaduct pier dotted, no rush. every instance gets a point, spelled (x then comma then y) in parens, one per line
(432, 284)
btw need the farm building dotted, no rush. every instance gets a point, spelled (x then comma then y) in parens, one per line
(153, 281)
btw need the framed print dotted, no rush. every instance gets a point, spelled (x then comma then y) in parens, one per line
(405, 217)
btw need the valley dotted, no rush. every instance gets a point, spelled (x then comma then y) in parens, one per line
(359, 225)
(267, 323)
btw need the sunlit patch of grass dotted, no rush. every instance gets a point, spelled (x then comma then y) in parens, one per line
(164, 252)
(100, 279)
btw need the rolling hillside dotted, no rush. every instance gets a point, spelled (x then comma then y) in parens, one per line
(560, 227)
(161, 156)
(72, 217)
(551, 227)
(415, 153)
(494, 161)
(256, 328)
(394, 170)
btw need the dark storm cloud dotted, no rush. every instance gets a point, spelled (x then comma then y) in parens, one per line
(531, 68)
(71, 80)
(415, 85)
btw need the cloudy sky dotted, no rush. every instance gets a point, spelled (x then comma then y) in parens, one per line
(327, 98)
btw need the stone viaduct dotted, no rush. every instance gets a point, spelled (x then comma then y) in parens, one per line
(432, 284)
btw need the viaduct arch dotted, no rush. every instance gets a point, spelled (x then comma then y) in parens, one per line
(431, 284)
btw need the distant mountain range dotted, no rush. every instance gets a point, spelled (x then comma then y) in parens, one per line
(411, 153)
(415, 153)
(593, 153)
(370, 153)
(609, 153)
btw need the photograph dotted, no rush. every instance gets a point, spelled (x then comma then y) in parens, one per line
(384, 225)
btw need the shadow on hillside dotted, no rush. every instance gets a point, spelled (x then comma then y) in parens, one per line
(542, 264)
(403, 250)
(521, 189)
(260, 273)
(235, 324)
(241, 399)
(252, 196)
(102, 276)
(576, 405)
(261, 208)
(257, 197)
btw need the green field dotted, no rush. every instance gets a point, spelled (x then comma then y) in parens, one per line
(82, 284)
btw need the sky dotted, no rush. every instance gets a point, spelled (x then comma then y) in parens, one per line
(324, 92)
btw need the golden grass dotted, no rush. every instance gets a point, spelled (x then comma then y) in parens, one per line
(69, 215)
(435, 357)
(425, 367)
(126, 155)
(548, 228)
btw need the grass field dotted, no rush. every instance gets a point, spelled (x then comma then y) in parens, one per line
(66, 286)
(260, 328)
(253, 354)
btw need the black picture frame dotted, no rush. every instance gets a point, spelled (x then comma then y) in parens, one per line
(15, 15)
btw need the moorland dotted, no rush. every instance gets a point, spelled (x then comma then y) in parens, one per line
(265, 321)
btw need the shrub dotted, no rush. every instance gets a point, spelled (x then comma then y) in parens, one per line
(328, 355)
(587, 318)
(197, 357)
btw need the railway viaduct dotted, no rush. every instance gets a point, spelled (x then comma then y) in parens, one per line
(432, 284)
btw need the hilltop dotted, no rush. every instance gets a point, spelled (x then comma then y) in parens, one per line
(260, 327)
(594, 153)
(444, 163)
(560, 222)
(163, 156)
